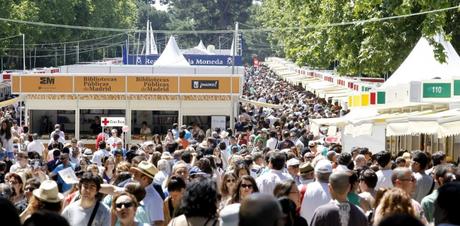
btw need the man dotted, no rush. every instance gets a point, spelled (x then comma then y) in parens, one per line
(266, 182)
(339, 211)
(57, 130)
(286, 143)
(367, 181)
(344, 160)
(447, 205)
(317, 193)
(35, 145)
(74, 152)
(442, 175)
(404, 179)
(81, 211)
(103, 136)
(273, 141)
(293, 169)
(385, 172)
(175, 131)
(112, 141)
(182, 141)
(262, 136)
(304, 137)
(313, 148)
(144, 173)
(55, 143)
(22, 163)
(306, 173)
(424, 184)
(437, 158)
(65, 163)
(100, 154)
(260, 210)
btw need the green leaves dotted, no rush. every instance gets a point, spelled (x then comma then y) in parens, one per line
(373, 49)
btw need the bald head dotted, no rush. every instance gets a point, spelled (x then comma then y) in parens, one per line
(340, 182)
(260, 210)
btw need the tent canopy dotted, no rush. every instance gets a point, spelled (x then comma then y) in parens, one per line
(171, 56)
(421, 64)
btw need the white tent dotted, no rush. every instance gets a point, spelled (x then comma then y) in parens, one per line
(421, 64)
(171, 56)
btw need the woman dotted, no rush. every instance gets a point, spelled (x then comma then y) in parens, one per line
(157, 139)
(394, 201)
(30, 186)
(246, 186)
(46, 197)
(199, 205)
(169, 139)
(241, 169)
(176, 188)
(5, 135)
(124, 206)
(289, 189)
(227, 187)
(18, 198)
(109, 169)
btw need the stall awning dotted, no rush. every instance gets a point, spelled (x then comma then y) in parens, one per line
(260, 104)
(9, 102)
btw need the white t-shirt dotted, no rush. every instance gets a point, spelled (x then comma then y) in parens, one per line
(36, 146)
(77, 215)
(266, 182)
(384, 179)
(271, 143)
(317, 194)
(99, 155)
(153, 204)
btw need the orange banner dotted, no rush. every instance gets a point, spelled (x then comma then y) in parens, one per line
(152, 84)
(45, 84)
(99, 84)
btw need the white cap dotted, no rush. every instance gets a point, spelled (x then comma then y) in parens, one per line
(293, 162)
(229, 215)
(323, 166)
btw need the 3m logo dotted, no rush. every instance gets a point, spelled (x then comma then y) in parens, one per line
(46, 81)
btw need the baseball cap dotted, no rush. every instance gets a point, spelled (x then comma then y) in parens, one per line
(323, 166)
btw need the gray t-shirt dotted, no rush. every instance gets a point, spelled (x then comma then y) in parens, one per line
(77, 215)
(335, 214)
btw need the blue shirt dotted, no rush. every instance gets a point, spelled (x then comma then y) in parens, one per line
(60, 181)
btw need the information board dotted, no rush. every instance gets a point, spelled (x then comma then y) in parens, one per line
(436, 90)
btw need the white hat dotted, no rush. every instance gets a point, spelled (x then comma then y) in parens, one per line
(323, 166)
(229, 215)
(146, 168)
(48, 192)
(167, 156)
(293, 162)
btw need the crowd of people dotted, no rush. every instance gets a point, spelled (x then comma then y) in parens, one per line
(268, 170)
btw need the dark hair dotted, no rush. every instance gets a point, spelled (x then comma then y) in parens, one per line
(88, 177)
(204, 165)
(102, 145)
(236, 193)
(438, 157)
(239, 165)
(2, 166)
(200, 199)
(369, 177)
(186, 156)
(10, 215)
(223, 188)
(120, 177)
(6, 131)
(277, 160)
(447, 203)
(383, 158)
(399, 219)
(283, 188)
(344, 158)
(176, 183)
(289, 209)
(136, 190)
(421, 158)
(46, 218)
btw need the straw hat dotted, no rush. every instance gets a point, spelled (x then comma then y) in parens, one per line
(48, 192)
(146, 168)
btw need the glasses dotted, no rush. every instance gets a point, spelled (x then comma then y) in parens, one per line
(125, 204)
(30, 189)
(249, 186)
(231, 180)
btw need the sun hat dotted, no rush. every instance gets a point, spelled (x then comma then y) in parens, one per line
(48, 192)
(323, 166)
(306, 168)
(146, 168)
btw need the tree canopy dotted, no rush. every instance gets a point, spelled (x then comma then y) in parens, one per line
(311, 33)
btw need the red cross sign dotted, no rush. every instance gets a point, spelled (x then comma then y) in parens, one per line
(105, 121)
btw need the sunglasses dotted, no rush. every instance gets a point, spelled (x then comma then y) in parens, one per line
(246, 185)
(231, 180)
(125, 204)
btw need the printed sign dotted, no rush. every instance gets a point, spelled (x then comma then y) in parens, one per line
(151, 84)
(46, 84)
(112, 121)
(68, 176)
(436, 90)
(205, 84)
(99, 84)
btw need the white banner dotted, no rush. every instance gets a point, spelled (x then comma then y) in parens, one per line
(218, 122)
(112, 121)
